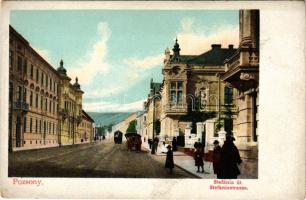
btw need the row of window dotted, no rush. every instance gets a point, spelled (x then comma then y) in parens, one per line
(34, 72)
(39, 101)
(40, 126)
(176, 94)
(39, 142)
(35, 100)
(70, 106)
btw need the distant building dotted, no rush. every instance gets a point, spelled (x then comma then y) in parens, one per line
(141, 126)
(44, 108)
(152, 109)
(124, 124)
(86, 129)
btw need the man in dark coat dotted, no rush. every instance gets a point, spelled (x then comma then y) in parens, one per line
(200, 145)
(169, 159)
(216, 159)
(174, 144)
(229, 159)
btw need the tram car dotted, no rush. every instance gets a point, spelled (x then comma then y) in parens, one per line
(118, 137)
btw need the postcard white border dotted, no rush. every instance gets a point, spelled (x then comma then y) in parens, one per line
(281, 112)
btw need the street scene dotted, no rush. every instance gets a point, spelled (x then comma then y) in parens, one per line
(104, 159)
(135, 94)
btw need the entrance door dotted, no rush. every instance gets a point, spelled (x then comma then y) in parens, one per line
(45, 126)
(18, 131)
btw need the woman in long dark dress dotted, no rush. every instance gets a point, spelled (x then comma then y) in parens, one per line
(169, 159)
(216, 159)
(198, 158)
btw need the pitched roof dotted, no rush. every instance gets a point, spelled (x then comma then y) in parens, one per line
(184, 58)
(215, 56)
(87, 116)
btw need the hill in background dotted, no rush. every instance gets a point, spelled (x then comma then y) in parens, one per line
(105, 119)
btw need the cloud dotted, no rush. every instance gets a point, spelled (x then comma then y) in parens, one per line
(194, 42)
(104, 106)
(94, 61)
(144, 63)
(105, 91)
(187, 23)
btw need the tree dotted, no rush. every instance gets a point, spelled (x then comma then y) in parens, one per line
(101, 131)
(109, 127)
(132, 127)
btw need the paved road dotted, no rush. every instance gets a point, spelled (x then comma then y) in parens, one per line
(102, 159)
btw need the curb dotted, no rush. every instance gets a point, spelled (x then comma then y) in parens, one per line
(196, 176)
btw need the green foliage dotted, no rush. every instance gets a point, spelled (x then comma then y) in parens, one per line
(101, 131)
(109, 127)
(198, 116)
(132, 127)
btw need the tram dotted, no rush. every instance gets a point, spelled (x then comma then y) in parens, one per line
(118, 137)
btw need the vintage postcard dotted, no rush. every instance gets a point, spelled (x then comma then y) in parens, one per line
(152, 100)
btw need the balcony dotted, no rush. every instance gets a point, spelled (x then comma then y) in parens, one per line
(21, 105)
(242, 69)
(172, 109)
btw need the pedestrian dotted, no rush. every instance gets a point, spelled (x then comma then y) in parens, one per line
(216, 159)
(198, 158)
(138, 146)
(195, 145)
(155, 143)
(150, 143)
(229, 159)
(169, 159)
(174, 144)
(200, 145)
(154, 146)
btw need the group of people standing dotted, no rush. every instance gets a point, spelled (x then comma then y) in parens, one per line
(225, 159)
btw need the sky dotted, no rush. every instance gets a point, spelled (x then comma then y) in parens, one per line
(115, 53)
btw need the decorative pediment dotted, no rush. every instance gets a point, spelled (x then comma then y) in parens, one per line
(248, 76)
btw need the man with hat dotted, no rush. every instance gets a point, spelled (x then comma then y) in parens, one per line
(229, 159)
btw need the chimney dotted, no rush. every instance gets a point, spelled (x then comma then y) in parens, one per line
(216, 46)
(230, 46)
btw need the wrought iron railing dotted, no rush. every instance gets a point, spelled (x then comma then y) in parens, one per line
(21, 105)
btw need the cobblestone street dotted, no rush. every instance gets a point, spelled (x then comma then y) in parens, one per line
(101, 159)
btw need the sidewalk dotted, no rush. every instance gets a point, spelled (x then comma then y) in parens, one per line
(186, 163)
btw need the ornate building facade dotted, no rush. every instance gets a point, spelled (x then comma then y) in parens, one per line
(70, 107)
(36, 94)
(242, 72)
(192, 93)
